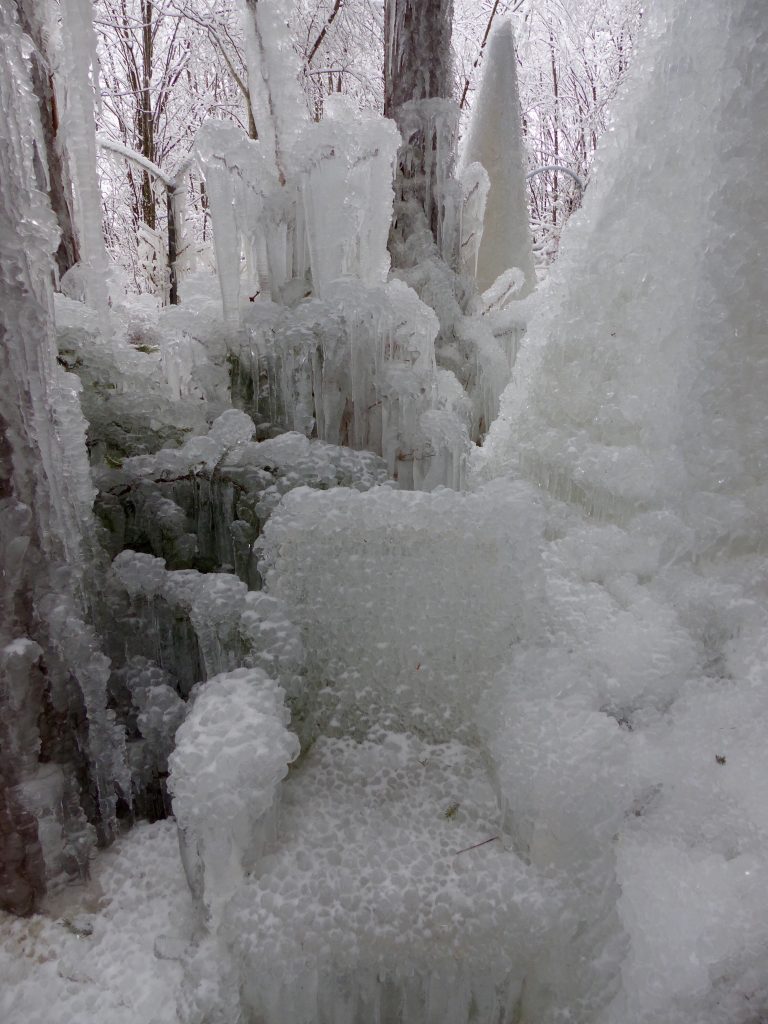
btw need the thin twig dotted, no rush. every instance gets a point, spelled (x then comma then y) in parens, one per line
(323, 30)
(484, 843)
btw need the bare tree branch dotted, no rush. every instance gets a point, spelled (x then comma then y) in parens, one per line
(323, 30)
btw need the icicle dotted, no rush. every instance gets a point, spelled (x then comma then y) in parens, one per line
(79, 67)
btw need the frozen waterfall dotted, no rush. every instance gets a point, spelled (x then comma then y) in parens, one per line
(448, 733)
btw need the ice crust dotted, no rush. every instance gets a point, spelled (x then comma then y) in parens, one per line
(407, 923)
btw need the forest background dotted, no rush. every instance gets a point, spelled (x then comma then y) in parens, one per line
(164, 67)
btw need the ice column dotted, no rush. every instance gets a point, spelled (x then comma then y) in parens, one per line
(348, 167)
(273, 67)
(80, 79)
(52, 669)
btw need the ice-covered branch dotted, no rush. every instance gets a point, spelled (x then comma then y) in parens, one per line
(136, 158)
(560, 170)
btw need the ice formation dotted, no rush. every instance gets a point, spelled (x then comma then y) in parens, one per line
(354, 365)
(495, 141)
(531, 714)
(202, 506)
(80, 75)
(53, 672)
(231, 754)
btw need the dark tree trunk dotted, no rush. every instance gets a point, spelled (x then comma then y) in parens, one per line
(173, 250)
(418, 74)
(417, 62)
(146, 121)
(59, 182)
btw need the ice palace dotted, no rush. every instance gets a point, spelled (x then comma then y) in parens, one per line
(448, 731)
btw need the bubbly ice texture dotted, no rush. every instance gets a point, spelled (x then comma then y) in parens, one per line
(494, 140)
(409, 921)
(438, 587)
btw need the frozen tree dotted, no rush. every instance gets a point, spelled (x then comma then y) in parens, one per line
(419, 92)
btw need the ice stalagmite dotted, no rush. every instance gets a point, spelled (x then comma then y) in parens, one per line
(53, 673)
(643, 380)
(495, 141)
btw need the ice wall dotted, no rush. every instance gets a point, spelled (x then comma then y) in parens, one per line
(641, 383)
(437, 588)
(53, 693)
(495, 141)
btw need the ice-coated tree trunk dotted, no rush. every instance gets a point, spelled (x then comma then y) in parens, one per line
(419, 91)
(274, 96)
(59, 181)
